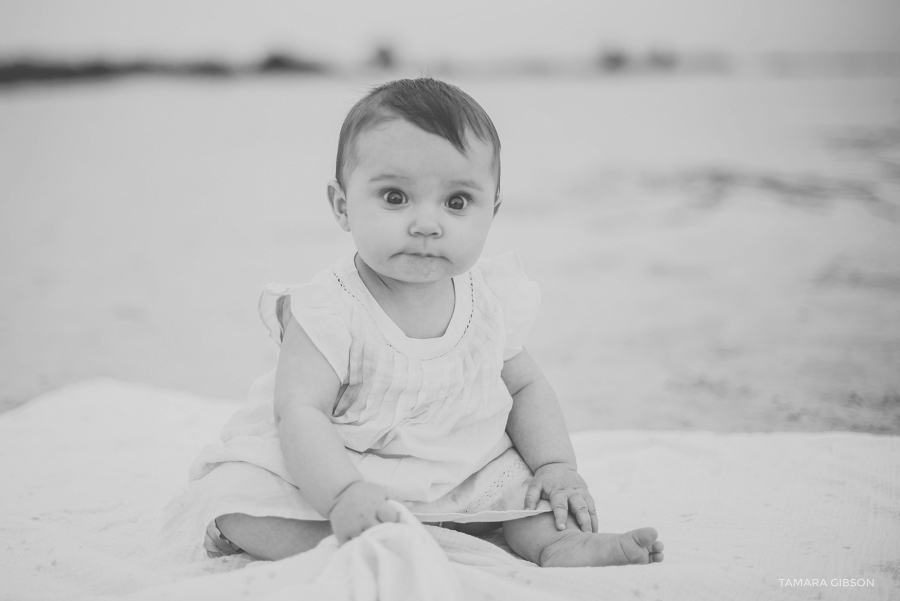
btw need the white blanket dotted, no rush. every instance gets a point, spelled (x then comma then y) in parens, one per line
(87, 470)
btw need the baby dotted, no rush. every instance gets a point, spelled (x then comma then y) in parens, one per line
(401, 373)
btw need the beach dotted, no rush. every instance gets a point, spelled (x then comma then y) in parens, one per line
(714, 253)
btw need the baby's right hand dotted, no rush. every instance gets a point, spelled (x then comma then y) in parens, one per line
(359, 507)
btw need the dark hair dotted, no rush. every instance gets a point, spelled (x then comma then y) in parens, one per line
(434, 106)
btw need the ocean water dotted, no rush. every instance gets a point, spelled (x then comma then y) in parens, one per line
(714, 253)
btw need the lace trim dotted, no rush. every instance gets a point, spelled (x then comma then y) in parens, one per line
(384, 338)
(486, 499)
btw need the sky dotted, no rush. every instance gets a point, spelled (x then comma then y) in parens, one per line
(347, 31)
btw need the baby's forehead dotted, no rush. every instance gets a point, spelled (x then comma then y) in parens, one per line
(396, 140)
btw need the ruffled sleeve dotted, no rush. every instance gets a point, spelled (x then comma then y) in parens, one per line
(518, 295)
(314, 310)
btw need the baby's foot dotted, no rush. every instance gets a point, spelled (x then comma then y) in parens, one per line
(582, 549)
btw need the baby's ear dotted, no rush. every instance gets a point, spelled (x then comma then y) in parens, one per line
(338, 201)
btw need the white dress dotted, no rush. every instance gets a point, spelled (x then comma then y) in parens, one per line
(426, 418)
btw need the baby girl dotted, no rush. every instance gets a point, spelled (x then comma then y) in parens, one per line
(401, 373)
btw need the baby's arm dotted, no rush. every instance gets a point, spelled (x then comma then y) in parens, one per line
(538, 430)
(306, 389)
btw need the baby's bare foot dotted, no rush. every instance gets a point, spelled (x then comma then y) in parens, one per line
(582, 549)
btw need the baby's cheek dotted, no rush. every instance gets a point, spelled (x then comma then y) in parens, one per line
(476, 238)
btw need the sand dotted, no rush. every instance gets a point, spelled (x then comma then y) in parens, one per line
(714, 253)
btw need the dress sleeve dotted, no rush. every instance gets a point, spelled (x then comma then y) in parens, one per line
(314, 310)
(519, 296)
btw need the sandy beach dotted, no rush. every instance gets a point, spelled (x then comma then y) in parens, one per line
(713, 253)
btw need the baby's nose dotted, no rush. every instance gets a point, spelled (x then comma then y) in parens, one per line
(425, 223)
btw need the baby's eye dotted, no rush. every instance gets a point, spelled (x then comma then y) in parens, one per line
(393, 197)
(458, 203)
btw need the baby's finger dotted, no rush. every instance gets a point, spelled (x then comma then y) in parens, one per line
(369, 521)
(580, 510)
(342, 536)
(592, 509)
(387, 513)
(532, 496)
(560, 504)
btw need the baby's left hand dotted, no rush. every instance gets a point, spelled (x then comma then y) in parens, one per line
(566, 491)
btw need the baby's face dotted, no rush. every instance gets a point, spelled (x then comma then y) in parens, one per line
(418, 209)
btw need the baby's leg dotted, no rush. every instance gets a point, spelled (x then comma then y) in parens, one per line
(536, 539)
(272, 537)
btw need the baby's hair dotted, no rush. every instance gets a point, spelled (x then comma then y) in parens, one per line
(434, 106)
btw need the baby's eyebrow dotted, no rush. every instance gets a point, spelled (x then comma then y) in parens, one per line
(467, 183)
(385, 176)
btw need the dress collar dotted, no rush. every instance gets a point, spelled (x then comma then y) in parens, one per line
(419, 348)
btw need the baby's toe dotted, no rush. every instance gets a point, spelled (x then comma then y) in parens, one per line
(656, 557)
(657, 547)
(645, 537)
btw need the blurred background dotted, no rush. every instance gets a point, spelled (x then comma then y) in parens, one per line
(708, 192)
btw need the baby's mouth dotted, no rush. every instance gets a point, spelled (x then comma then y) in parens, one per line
(421, 255)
